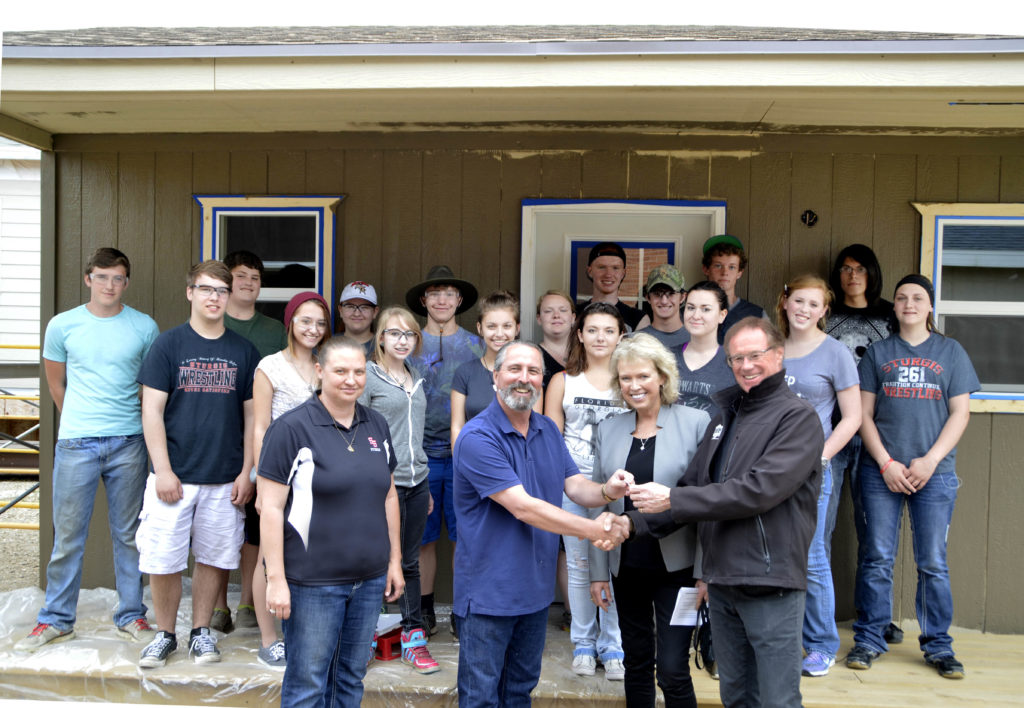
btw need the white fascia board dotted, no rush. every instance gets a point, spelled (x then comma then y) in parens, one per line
(348, 74)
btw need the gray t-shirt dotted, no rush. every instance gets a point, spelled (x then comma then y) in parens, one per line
(817, 376)
(913, 386)
(696, 387)
(476, 382)
(673, 341)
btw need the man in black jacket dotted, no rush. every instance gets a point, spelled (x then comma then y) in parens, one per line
(753, 486)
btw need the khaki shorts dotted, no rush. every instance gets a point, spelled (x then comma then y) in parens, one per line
(204, 515)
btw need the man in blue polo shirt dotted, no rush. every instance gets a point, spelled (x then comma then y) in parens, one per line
(510, 469)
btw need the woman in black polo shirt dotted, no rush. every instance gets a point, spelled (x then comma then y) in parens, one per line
(330, 530)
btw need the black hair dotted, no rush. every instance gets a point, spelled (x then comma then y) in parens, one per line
(866, 257)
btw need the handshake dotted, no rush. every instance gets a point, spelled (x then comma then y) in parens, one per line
(649, 498)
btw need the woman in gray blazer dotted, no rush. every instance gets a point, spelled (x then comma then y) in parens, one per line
(654, 441)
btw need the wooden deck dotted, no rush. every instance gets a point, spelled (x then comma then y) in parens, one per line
(98, 666)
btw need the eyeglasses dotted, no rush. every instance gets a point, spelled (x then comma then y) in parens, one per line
(207, 291)
(103, 278)
(398, 335)
(752, 357)
(661, 294)
(308, 322)
(438, 294)
(850, 270)
(361, 309)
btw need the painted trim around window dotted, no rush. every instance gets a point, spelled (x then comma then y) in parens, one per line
(932, 217)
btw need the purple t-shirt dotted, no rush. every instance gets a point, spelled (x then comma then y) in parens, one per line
(818, 375)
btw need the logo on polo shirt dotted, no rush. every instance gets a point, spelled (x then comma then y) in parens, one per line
(374, 447)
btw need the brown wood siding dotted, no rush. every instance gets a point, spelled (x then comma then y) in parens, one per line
(413, 200)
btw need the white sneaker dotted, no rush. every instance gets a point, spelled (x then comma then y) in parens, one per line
(614, 670)
(584, 665)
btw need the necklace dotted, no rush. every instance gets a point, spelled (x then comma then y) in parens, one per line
(400, 381)
(348, 441)
(643, 442)
(310, 381)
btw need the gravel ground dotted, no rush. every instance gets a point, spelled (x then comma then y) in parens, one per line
(19, 548)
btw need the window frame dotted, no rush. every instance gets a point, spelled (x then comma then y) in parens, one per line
(322, 207)
(934, 217)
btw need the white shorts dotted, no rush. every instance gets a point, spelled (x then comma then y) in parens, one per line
(204, 514)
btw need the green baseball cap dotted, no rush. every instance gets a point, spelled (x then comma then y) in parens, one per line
(724, 239)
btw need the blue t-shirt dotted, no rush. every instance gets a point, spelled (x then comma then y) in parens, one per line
(101, 357)
(502, 565)
(913, 386)
(335, 528)
(207, 382)
(816, 376)
(740, 309)
(476, 382)
(673, 341)
(437, 363)
(696, 387)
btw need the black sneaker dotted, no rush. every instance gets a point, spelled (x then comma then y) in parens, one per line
(201, 646)
(860, 658)
(947, 666)
(566, 622)
(455, 626)
(156, 652)
(430, 622)
(893, 634)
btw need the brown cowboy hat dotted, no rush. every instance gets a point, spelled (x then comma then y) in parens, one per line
(441, 275)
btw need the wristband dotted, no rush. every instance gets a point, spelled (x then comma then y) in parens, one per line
(885, 466)
(605, 494)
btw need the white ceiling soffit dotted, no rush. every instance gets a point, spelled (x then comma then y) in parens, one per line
(126, 90)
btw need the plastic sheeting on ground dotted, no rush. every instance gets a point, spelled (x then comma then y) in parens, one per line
(99, 665)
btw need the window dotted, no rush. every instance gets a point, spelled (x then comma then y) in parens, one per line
(974, 254)
(557, 235)
(293, 236)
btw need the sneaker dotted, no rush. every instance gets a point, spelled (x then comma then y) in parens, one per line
(947, 666)
(712, 669)
(614, 670)
(566, 623)
(202, 647)
(455, 626)
(416, 654)
(245, 617)
(273, 657)
(817, 664)
(156, 652)
(860, 658)
(42, 635)
(893, 634)
(221, 621)
(430, 622)
(584, 665)
(373, 650)
(137, 630)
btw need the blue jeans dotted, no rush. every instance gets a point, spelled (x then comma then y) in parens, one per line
(820, 631)
(78, 466)
(441, 489)
(412, 507)
(328, 637)
(594, 631)
(931, 510)
(499, 658)
(843, 464)
(756, 638)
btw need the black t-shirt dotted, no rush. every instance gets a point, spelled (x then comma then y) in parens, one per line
(335, 528)
(207, 382)
(551, 367)
(644, 552)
